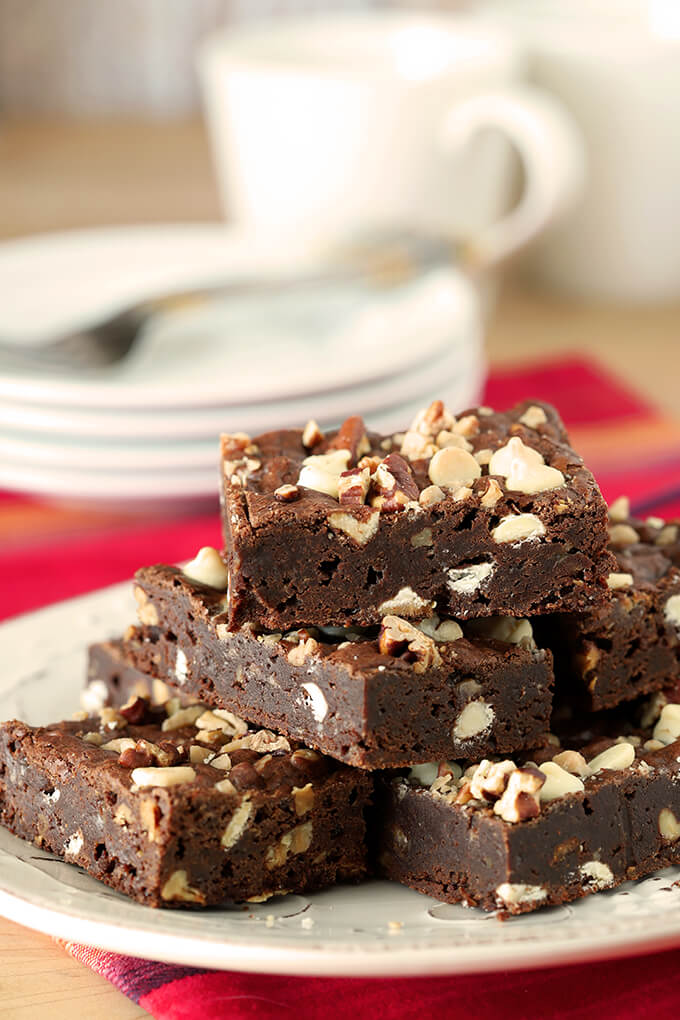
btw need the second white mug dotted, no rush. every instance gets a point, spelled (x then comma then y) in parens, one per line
(326, 127)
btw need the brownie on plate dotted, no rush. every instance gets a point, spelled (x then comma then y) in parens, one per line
(482, 514)
(374, 698)
(515, 834)
(181, 806)
(629, 645)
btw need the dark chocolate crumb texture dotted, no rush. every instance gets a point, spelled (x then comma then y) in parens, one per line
(378, 698)
(630, 645)
(513, 835)
(181, 806)
(482, 514)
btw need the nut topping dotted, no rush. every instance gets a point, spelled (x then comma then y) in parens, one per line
(393, 484)
(311, 435)
(351, 436)
(616, 757)
(400, 638)
(287, 493)
(208, 568)
(353, 486)
(619, 511)
(521, 798)
(558, 782)
(622, 535)
(616, 581)
(533, 417)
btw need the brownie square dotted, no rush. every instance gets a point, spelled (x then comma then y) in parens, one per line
(513, 835)
(182, 807)
(630, 645)
(374, 698)
(482, 514)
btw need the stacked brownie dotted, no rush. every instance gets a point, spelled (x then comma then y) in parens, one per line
(388, 614)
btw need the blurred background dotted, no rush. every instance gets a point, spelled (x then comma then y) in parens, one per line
(524, 156)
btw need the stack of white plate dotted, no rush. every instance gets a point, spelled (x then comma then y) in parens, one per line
(145, 432)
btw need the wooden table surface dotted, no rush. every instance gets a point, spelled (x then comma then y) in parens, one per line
(57, 175)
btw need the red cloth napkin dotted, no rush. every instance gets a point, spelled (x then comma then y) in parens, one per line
(49, 553)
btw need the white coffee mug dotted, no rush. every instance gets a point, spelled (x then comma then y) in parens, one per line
(615, 64)
(326, 127)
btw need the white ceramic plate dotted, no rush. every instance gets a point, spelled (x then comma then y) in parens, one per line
(352, 930)
(246, 351)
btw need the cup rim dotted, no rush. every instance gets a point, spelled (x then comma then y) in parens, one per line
(254, 47)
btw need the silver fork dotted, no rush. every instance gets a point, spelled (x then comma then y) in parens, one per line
(384, 260)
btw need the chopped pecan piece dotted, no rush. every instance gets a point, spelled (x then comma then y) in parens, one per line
(351, 436)
(353, 486)
(393, 484)
(400, 638)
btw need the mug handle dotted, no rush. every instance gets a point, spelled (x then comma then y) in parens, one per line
(553, 157)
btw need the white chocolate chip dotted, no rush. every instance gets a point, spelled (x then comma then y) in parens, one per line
(533, 417)
(596, 874)
(406, 603)
(360, 530)
(452, 468)
(655, 522)
(532, 478)
(318, 704)
(181, 667)
(237, 824)
(667, 535)
(524, 469)
(425, 774)
(668, 727)
(173, 775)
(558, 782)
(615, 581)
(74, 844)
(671, 611)
(467, 580)
(475, 719)
(518, 528)
(501, 462)
(619, 511)
(622, 535)
(616, 758)
(207, 567)
(322, 471)
(515, 894)
(669, 826)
